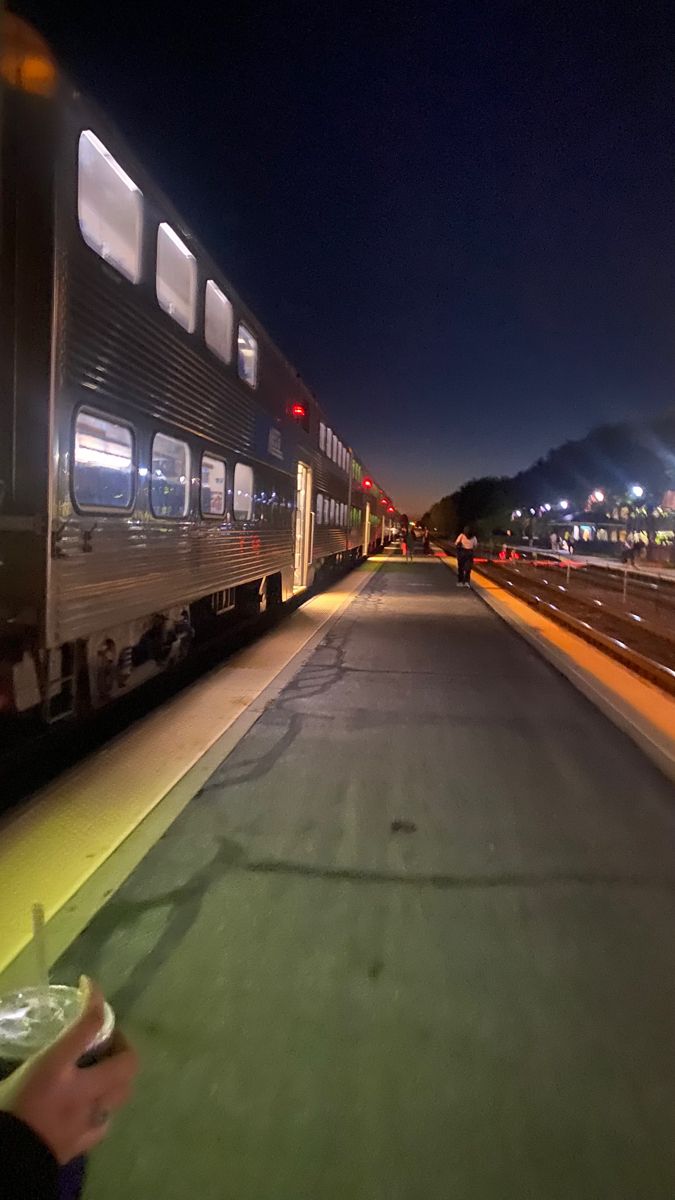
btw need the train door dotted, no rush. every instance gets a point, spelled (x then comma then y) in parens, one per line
(366, 528)
(303, 526)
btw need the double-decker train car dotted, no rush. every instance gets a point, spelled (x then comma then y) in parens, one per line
(161, 463)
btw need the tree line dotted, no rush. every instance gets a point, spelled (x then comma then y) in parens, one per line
(612, 458)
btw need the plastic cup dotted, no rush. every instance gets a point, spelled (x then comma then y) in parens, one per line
(30, 1020)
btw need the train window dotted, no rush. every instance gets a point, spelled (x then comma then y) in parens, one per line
(218, 322)
(247, 356)
(213, 486)
(332, 513)
(176, 283)
(243, 492)
(329, 441)
(319, 508)
(109, 207)
(103, 462)
(322, 436)
(170, 479)
(336, 449)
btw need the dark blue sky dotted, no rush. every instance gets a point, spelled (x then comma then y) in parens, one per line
(458, 222)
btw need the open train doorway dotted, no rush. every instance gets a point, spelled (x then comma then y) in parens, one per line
(303, 526)
(366, 529)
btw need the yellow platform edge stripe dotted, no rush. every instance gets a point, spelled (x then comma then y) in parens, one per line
(53, 844)
(631, 699)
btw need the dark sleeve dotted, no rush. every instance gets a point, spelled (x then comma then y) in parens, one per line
(28, 1169)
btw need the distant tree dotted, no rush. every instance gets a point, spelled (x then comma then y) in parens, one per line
(610, 457)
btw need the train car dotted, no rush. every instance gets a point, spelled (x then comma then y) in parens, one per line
(161, 463)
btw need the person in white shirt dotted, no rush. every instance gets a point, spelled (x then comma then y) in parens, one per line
(466, 543)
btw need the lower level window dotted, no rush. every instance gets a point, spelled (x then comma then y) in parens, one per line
(170, 478)
(103, 462)
(213, 486)
(319, 508)
(243, 492)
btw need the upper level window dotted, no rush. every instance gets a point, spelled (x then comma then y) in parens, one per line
(103, 462)
(217, 321)
(243, 492)
(329, 442)
(170, 476)
(322, 436)
(247, 356)
(109, 207)
(332, 512)
(213, 486)
(176, 277)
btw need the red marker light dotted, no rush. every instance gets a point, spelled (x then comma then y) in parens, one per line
(367, 484)
(299, 412)
(391, 508)
(383, 501)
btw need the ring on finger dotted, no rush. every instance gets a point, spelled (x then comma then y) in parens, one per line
(99, 1115)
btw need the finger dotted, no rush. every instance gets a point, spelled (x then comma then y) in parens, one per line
(111, 1072)
(117, 1097)
(91, 1137)
(79, 1036)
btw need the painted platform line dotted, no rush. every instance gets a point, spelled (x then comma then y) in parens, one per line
(53, 849)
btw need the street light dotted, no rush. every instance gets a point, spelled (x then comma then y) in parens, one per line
(564, 503)
(638, 491)
(598, 495)
(547, 507)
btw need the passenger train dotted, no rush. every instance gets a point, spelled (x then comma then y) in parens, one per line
(161, 463)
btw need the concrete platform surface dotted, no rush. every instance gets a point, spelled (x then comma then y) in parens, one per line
(412, 941)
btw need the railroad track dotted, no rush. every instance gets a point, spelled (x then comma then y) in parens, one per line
(639, 644)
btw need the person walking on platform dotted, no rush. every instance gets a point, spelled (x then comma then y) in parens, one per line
(409, 544)
(466, 543)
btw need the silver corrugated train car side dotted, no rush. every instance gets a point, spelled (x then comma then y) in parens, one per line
(161, 463)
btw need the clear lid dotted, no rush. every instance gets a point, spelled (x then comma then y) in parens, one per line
(31, 1019)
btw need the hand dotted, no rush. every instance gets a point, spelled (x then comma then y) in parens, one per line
(68, 1106)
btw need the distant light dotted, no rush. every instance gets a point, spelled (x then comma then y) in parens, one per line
(547, 507)
(517, 513)
(637, 490)
(142, 471)
(598, 495)
(367, 483)
(564, 503)
(390, 508)
(299, 412)
(532, 511)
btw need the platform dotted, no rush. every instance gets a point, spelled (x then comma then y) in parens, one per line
(413, 940)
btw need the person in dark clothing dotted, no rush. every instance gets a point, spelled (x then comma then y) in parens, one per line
(466, 544)
(426, 542)
(409, 544)
(52, 1110)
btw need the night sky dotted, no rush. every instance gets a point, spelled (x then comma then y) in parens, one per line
(458, 222)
